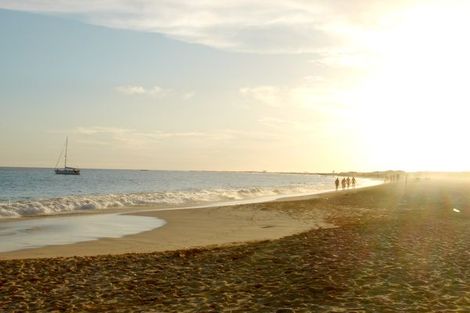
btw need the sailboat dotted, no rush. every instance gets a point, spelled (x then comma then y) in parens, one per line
(66, 170)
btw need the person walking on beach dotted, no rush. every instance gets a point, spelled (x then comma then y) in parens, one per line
(348, 182)
(354, 182)
(343, 183)
(337, 183)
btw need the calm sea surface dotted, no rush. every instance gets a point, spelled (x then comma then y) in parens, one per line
(26, 192)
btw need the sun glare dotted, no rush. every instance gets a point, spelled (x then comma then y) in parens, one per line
(413, 105)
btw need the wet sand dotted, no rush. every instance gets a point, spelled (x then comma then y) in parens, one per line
(188, 228)
(396, 249)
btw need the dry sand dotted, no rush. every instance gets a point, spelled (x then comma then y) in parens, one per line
(396, 249)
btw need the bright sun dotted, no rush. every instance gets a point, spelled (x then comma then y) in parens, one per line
(413, 108)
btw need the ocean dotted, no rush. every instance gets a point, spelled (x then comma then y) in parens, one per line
(39, 191)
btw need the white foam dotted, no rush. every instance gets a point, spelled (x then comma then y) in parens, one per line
(174, 198)
(46, 231)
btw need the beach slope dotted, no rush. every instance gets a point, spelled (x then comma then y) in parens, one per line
(396, 248)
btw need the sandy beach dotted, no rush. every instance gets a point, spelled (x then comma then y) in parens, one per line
(395, 247)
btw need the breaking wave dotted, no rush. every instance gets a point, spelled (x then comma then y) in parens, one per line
(70, 204)
(164, 199)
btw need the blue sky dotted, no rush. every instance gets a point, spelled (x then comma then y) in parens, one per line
(289, 86)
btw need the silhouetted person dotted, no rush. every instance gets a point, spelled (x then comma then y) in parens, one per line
(354, 182)
(343, 183)
(348, 181)
(337, 183)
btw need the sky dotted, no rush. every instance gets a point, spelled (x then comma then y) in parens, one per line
(287, 85)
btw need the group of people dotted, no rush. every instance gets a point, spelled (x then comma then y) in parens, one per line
(345, 182)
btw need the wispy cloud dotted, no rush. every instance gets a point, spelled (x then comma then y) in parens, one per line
(131, 90)
(188, 95)
(101, 130)
(133, 138)
(155, 91)
(279, 124)
(283, 26)
(269, 95)
(312, 93)
(127, 139)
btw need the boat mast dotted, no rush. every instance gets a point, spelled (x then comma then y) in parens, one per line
(66, 144)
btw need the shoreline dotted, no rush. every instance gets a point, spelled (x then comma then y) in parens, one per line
(168, 207)
(186, 228)
(213, 224)
(159, 205)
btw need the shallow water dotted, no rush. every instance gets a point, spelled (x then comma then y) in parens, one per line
(46, 231)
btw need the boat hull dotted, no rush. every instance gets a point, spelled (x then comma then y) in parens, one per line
(67, 171)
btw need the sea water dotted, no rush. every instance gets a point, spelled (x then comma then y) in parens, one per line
(32, 191)
(26, 192)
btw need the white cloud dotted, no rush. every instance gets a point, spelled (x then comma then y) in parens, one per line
(101, 130)
(140, 90)
(285, 26)
(312, 93)
(131, 90)
(155, 91)
(269, 95)
(127, 137)
(280, 124)
(188, 95)
(132, 138)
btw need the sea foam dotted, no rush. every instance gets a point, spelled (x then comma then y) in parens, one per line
(33, 192)
(70, 204)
